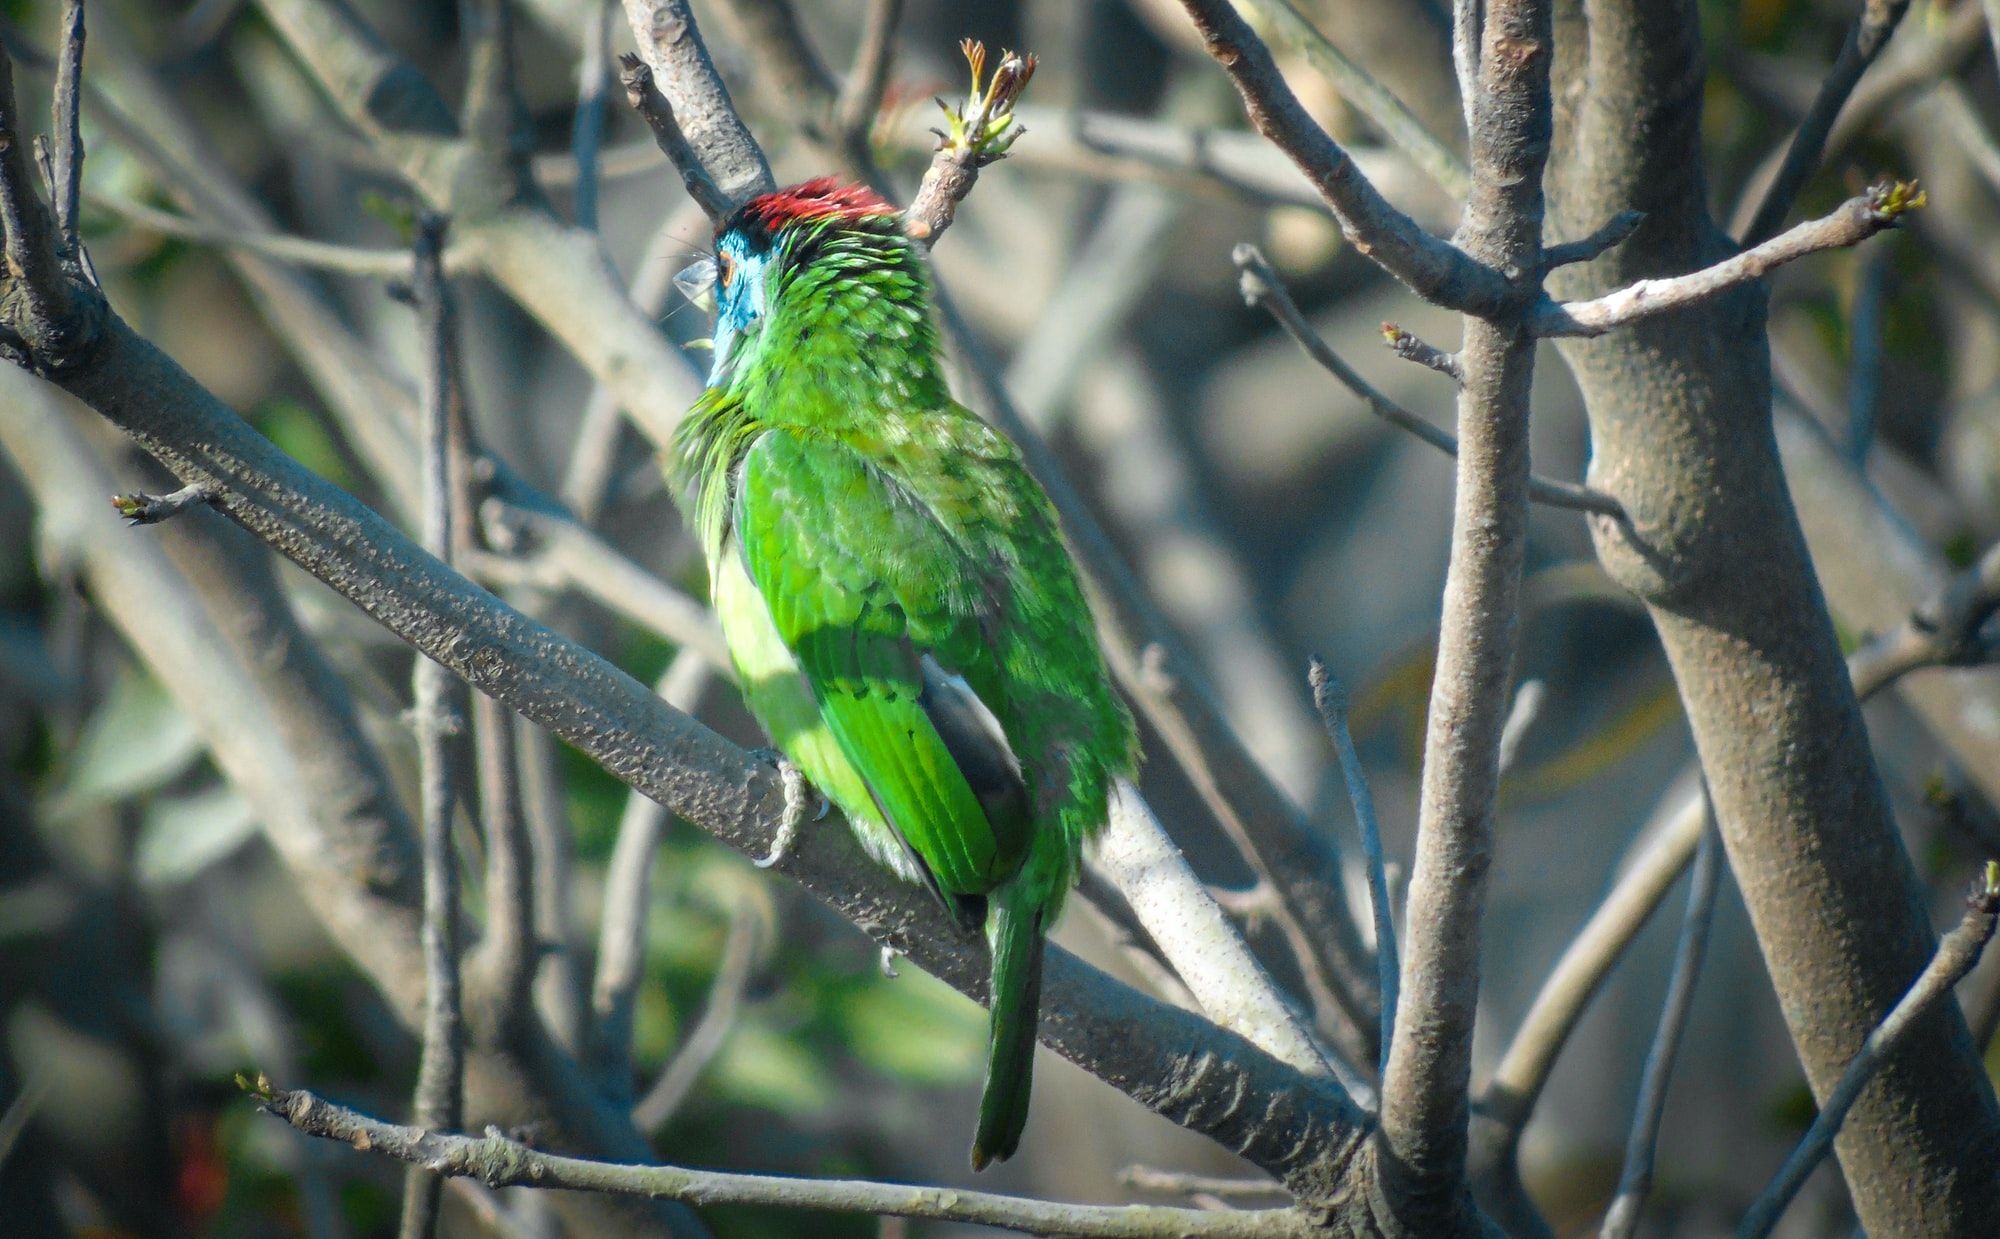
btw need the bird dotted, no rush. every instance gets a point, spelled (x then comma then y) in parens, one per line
(902, 611)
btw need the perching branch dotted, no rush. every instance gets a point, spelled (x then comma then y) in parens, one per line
(1436, 270)
(1955, 957)
(1262, 287)
(500, 1162)
(440, 1093)
(1853, 222)
(1877, 21)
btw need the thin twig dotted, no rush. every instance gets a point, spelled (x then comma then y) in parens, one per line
(1942, 631)
(143, 509)
(1412, 348)
(1613, 234)
(1853, 222)
(1521, 719)
(501, 1162)
(1331, 698)
(1878, 20)
(1369, 97)
(718, 1016)
(1435, 270)
(867, 79)
(592, 91)
(1261, 287)
(440, 1092)
(1637, 1179)
(1955, 957)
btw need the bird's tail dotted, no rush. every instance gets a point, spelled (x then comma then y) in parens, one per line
(1014, 934)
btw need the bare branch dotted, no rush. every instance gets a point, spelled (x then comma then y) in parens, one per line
(440, 1093)
(1436, 270)
(1853, 222)
(501, 1162)
(671, 45)
(1955, 957)
(1422, 1143)
(1521, 718)
(1331, 698)
(977, 132)
(1410, 348)
(1943, 631)
(1607, 238)
(152, 509)
(1637, 1179)
(1262, 287)
(1369, 97)
(718, 1017)
(1175, 1183)
(1878, 20)
(643, 94)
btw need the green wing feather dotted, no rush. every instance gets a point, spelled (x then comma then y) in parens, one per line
(861, 583)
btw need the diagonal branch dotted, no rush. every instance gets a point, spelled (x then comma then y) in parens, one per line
(1436, 270)
(1878, 20)
(1955, 957)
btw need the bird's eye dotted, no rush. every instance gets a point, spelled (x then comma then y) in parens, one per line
(725, 268)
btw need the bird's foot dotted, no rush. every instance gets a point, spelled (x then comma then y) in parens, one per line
(796, 792)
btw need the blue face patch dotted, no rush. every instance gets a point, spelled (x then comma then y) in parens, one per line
(739, 299)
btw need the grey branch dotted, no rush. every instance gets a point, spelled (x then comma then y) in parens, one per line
(1853, 222)
(301, 251)
(644, 95)
(1877, 21)
(440, 1092)
(861, 96)
(1943, 631)
(1637, 1179)
(593, 79)
(1436, 270)
(1607, 238)
(1331, 698)
(1369, 97)
(1955, 957)
(143, 509)
(1263, 288)
(671, 46)
(500, 1162)
(66, 155)
(1429, 356)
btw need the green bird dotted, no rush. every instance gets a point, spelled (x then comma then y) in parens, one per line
(896, 595)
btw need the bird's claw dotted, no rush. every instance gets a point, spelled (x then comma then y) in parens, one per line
(888, 962)
(796, 788)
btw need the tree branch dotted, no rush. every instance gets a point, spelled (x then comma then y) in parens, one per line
(1877, 21)
(500, 1162)
(1435, 270)
(720, 143)
(867, 79)
(1262, 287)
(1942, 631)
(440, 1092)
(643, 94)
(733, 973)
(1955, 957)
(1425, 1106)
(1853, 222)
